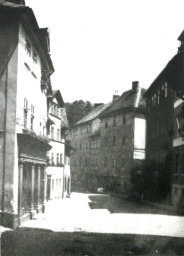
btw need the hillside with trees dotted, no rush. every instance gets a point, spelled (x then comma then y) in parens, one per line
(77, 110)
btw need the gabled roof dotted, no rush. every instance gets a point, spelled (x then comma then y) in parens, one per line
(131, 99)
(9, 14)
(93, 114)
(57, 94)
(169, 73)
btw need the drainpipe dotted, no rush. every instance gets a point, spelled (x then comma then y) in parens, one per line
(64, 170)
(4, 141)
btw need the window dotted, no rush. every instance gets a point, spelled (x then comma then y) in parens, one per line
(124, 140)
(58, 134)
(59, 182)
(106, 124)
(182, 163)
(105, 141)
(25, 112)
(114, 162)
(57, 158)
(114, 121)
(158, 97)
(80, 161)
(114, 140)
(28, 47)
(165, 90)
(52, 184)
(32, 123)
(176, 163)
(32, 118)
(61, 158)
(52, 132)
(105, 161)
(35, 56)
(175, 191)
(52, 158)
(80, 145)
(87, 144)
(124, 119)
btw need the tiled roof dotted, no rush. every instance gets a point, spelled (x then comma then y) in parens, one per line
(94, 113)
(129, 99)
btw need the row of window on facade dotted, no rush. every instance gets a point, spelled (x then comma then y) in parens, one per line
(55, 110)
(107, 142)
(93, 161)
(157, 97)
(56, 184)
(57, 159)
(87, 129)
(31, 51)
(52, 133)
(42, 127)
(116, 140)
(160, 127)
(124, 121)
(81, 130)
(32, 54)
(94, 145)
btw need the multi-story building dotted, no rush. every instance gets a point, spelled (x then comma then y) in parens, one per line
(122, 139)
(55, 163)
(159, 98)
(176, 82)
(85, 138)
(165, 132)
(26, 96)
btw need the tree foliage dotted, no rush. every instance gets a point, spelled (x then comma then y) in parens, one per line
(77, 110)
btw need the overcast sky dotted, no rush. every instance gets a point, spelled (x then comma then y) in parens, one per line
(99, 46)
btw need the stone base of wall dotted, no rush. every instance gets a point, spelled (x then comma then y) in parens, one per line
(9, 220)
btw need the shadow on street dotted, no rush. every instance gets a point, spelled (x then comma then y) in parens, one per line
(37, 242)
(122, 205)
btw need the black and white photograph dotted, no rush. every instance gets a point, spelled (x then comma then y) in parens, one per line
(91, 127)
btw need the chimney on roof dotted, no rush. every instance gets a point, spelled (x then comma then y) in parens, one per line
(22, 2)
(115, 96)
(135, 86)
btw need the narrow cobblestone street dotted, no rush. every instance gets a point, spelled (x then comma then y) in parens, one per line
(97, 224)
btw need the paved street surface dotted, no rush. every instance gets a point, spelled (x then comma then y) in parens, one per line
(97, 224)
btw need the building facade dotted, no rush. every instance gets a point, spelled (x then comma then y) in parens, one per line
(122, 140)
(85, 139)
(177, 84)
(25, 116)
(55, 160)
(164, 133)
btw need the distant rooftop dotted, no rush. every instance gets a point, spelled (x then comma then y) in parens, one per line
(94, 113)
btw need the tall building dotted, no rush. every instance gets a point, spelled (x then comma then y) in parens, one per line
(165, 132)
(85, 138)
(56, 158)
(122, 139)
(29, 111)
(176, 82)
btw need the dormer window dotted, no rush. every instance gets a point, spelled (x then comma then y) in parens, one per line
(28, 47)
